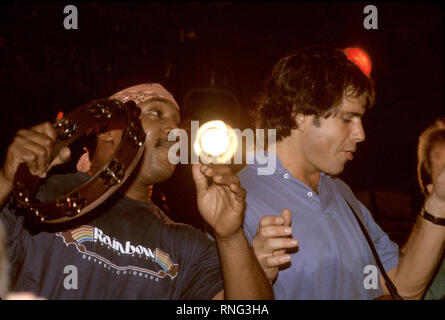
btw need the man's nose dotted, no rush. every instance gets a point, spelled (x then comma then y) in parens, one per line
(358, 135)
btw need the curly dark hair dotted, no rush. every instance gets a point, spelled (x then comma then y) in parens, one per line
(430, 137)
(311, 81)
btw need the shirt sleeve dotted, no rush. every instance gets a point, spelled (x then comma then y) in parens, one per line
(250, 224)
(10, 222)
(203, 278)
(387, 250)
(14, 224)
(16, 237)
(254, 207)
(436, 291)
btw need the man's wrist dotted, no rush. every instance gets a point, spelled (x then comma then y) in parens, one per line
(6, 187)
(4, 181)
(435, 206)
(428, 216)
(230, 238)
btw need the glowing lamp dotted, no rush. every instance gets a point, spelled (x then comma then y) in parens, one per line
(359, 58)
(215, 142)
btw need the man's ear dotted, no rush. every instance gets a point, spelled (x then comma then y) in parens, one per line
(300, 119)
(84, 163)
(429, 188)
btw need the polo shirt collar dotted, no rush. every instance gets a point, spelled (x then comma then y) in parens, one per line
(259, 160)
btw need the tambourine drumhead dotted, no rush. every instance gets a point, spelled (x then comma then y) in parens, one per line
(96, 114)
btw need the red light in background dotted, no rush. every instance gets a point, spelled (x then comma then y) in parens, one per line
(360, 58)
(59, 115)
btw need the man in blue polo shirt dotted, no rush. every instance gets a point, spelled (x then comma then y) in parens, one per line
(315, 99)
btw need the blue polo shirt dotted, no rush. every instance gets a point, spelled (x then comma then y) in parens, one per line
(333, 255)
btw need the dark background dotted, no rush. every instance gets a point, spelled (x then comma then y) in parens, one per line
(46, 69)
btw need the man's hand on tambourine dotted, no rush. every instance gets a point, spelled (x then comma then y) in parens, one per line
(221, 203)
(34, 147)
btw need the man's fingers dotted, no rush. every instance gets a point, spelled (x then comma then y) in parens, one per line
(30, 159)
(38, 140)
(286, 215)
(239, 192)
(34, 155)
(274, 231)
(42, 156)
(283, 220)
(271, 221)
(272, 244)
(221, 174)
(200, 179)
(212, 170)
(46, 129)
(63, 156)
(33, 147)
(276, 261)
(226, 179)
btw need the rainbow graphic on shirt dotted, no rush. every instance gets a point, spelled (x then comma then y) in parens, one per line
(163, 260)
(81, 235)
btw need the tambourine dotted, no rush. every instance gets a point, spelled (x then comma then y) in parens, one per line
(97, 114)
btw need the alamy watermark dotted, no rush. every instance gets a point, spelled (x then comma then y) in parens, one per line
(70, 282)
(371, 20)
(255, 148)
(71, 21)
(371, 281)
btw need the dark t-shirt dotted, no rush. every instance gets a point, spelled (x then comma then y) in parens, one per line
(124, 249)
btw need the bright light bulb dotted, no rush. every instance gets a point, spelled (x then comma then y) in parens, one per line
(215, 141)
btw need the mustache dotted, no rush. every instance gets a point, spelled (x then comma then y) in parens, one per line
(164, 142)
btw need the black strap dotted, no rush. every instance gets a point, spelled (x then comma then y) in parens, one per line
(391, 287)
(433, 219)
